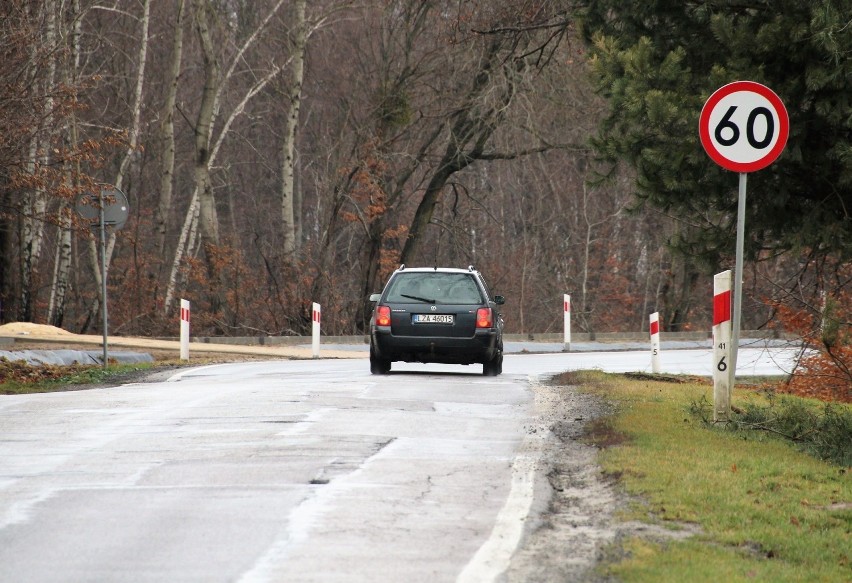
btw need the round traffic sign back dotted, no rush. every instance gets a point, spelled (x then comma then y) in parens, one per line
(115, 204)
(744, 126)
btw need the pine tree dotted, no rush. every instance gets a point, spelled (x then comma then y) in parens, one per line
(657, 62)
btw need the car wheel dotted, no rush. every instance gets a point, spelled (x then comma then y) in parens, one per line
(379, 365)
(493, 367)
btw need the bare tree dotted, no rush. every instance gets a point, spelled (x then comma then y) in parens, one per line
(214, 85)
(208, 220)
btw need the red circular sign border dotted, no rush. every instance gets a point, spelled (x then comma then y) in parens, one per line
(704, 126)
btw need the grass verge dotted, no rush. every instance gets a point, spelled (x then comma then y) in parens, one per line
(18, 378)
(764, 510)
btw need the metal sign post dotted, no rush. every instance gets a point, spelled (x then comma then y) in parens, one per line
(108, 207)
(105, 316)
(743, 127)
(738, 279)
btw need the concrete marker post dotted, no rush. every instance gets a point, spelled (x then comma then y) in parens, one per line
(316, 313)
(723, 348)
(655, 342)
(184, 329)
(566, 316)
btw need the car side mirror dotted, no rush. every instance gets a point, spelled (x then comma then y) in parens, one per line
(499, 300)
(375, 297)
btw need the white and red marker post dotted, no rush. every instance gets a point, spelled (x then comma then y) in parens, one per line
(316, 316)
(184, 329)
(566, 315)
(655, 342)
(723, 348)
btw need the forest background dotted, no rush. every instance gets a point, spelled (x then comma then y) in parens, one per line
(281, 152)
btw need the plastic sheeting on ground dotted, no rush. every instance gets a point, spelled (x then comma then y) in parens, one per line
(64, 357)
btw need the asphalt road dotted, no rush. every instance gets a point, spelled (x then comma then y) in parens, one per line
(285, 471)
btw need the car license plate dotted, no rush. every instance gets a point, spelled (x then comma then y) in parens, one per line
(432, 318)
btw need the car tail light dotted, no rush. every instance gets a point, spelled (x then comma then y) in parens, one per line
(483, 318)
(383, 316)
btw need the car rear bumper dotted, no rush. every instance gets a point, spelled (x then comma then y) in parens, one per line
(479, 348)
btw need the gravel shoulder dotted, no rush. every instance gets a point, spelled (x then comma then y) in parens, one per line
(577, 530)
(575, 521)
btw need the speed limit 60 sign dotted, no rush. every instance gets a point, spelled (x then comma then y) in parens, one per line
(744, 126)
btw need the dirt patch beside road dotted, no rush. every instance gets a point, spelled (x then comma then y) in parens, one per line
(577, 521)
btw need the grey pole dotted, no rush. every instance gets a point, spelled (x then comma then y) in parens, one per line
(738, 281)
(103, 276)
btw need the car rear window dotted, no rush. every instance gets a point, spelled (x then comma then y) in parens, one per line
(428, 287)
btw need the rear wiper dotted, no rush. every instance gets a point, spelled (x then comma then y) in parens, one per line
(428, 301)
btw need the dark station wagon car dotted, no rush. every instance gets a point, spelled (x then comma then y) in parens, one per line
(436, 314)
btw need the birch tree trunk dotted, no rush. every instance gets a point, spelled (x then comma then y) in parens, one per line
(62, 268)
(167, 130)
(32, 234)
(288, 210)
(186, 233)
(132, 148)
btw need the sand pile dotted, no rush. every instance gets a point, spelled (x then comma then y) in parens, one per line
(30, 329)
